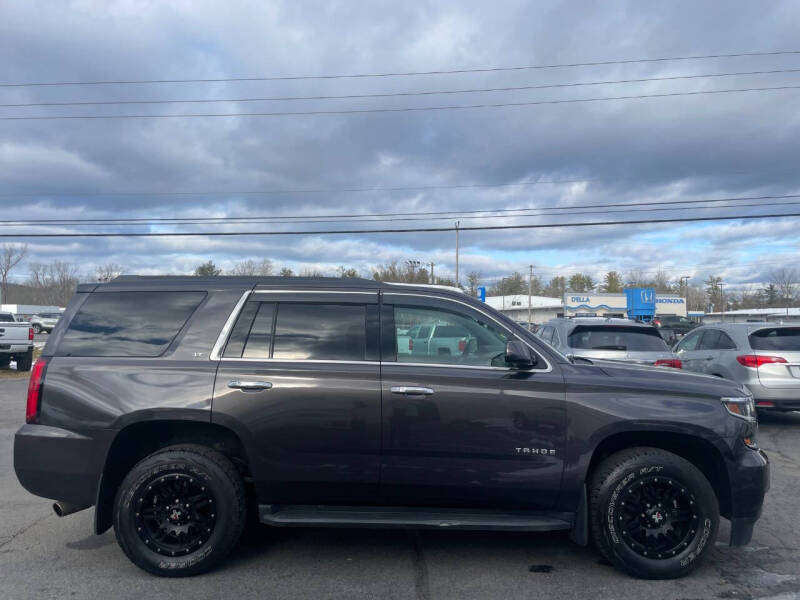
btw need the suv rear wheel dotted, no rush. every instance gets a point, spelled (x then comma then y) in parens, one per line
(180, 511)
(653, 513)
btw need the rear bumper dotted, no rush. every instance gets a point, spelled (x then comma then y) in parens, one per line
(15, 348)
(59, 464)
(782, 398)
(750, 481)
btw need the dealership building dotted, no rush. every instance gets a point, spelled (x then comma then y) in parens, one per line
(615, 305)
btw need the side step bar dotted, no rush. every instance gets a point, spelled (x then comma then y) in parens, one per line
(287, 515)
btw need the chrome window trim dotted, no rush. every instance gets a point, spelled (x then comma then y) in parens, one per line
(488, 316)
(373, 293)
(222, 338)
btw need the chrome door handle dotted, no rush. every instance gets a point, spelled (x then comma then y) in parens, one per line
(412, 391)
(236, 384)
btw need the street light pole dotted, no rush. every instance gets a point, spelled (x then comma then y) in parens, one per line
(722, 298)
(433, 281)
(684, 283)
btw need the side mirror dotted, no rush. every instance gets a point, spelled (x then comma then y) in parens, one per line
(519, 356)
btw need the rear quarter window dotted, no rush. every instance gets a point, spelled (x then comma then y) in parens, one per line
(140, 324)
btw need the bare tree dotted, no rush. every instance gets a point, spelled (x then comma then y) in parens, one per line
(250, 267)
(53, 283)
(10, 256)
(108, 271)
(473, 279)
(785, 280)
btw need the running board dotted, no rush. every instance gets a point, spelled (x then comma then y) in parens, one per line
(296, 515)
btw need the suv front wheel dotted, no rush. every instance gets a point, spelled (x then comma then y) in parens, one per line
(180, 511)
(653, 513)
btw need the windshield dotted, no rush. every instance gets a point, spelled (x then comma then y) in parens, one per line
(776, 338)
(611, 337)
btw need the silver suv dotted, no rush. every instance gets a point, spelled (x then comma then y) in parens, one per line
(44, 322)
(608, 339)
(763, 356)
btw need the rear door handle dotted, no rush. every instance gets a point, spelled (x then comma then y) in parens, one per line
(237, 384)
(411, 390)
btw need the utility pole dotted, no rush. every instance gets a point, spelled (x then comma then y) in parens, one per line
(432, 279)
(722, 299)
(457, 224)
(685, 288)
(530, 288)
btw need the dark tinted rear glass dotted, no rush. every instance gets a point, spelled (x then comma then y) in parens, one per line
(128, 323)
(320, 332)
(6, 318)
(260, 337)
(449, 331)
(776, 338)
(613, 337)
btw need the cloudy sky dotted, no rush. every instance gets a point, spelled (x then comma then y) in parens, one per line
(577, 154)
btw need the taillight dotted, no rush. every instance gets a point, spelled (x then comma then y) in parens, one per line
(675, 363)
(462, 345)
(756, 360)
(410, 344)
(30, 333)
(34, 403)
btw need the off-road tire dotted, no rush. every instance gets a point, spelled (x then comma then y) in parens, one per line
(25, 361)
(217, 473)
(37, 328)
(608, 485)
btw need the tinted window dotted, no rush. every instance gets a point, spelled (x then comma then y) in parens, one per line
(776, 338)
(449, 331)
(260, 337)
(547, 334)
(320, 332)
(240, 331)
(128, 323)
(6, 318)
(690, 341)
(457, 339)
(710, 340)
(725, 342)
(611, 337)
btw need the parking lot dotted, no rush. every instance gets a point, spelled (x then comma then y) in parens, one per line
(42, 556)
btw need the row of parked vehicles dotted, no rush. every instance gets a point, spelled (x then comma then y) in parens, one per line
(765, 357)
(16, 337)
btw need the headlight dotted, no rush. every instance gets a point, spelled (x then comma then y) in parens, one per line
(742, 407)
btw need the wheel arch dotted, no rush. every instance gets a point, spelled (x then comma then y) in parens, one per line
(141, 438)
(699, 451)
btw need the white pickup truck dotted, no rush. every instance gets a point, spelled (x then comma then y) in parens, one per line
(16, 342)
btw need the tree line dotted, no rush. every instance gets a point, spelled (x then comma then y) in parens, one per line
(54, 283)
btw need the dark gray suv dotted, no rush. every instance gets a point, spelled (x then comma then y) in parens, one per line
(176, 406)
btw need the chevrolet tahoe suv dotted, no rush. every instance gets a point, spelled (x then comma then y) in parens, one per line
(179, 406)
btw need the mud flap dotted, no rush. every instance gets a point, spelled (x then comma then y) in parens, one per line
(742, 531)
(580, 528)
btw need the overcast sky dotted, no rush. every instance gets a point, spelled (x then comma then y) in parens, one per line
(622, 151)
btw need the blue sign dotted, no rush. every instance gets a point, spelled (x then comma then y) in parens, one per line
(641, 303)
(482, 293)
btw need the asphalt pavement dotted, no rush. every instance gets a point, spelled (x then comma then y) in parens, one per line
(42, 556)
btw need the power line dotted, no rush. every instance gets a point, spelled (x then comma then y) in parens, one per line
(398, 110)
(277, 221)
(439, 214)
(396, 94)
(393, 230)
(401, 74)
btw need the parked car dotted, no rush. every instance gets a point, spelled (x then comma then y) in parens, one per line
(609, 339)
(438, 339)
(765, 357)
(169, 403)
(44, 322)
(680, 325)
(16, 342)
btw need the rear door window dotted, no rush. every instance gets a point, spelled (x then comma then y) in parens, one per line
(785, 339)
(710, 340)
(320, 332)
(612, 337)
(141, 324)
